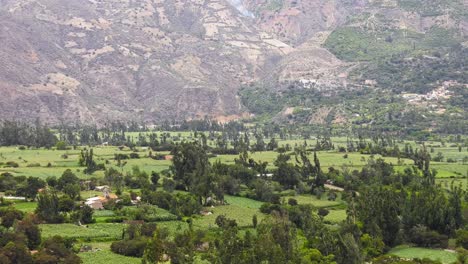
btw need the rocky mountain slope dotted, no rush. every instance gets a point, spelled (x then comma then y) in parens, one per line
(90, 61)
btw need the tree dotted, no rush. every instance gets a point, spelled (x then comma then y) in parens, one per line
(430, 207)
(287, 174)
(66, 204)
(72, 190)
(31, 231)
(86, 214)
(272, 145)
(155, 178)
(462, 238)
(16, 253)
(67, 178)
(48, 208)
(59, 249)
(61, 145)
(31, 188)
(114, 178)
(87, 160)
(259, 143)
(192, 169)
(9, 216)
(155, 249)
(378, 208)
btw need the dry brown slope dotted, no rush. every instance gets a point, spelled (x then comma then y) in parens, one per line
(90, 61)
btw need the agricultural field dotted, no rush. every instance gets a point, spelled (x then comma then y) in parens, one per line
(444, 256)
(44, 163)
(27, 207)
(104, 229)
(101, 253)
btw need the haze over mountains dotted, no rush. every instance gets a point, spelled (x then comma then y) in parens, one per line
(89, 61)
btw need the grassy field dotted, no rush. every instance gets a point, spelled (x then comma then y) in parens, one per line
(240, 209)
(44, 163)
(102, 254)
(441, 255)
(336, 216)
(27, 207)
(36, 162)
(109, 231)
(100, 231)
(309, 199)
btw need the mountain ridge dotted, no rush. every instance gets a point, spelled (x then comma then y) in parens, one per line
(154, 60)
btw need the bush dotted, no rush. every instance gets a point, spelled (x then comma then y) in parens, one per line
(267, 208)
(134, 155)
(292, 202)
(117, 219)
(11, 164)
(323, 212)
(223, 222)
(61, 145)
(131, 248)
(424, 237)
(462, 238)
(121, 156)
(168, 185)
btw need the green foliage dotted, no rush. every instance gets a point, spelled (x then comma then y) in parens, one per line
(132, 248)
(15, 253)
(378, 209)
(31, 232)
(86, 215)
(87, 160)
(155, 248)
(359, 44)
(420, 73)
(429, 8)
(261, 101)
(16, 133)
(462, 238)
(223, 222)
(48, 207)
(178, 204)
(9, 215)
(61, 145)
(420, 236)
(57, 249)
(372, 247)
(431, 207)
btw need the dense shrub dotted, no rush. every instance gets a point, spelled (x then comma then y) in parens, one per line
(424, 237)
(11, 164)
(267, 208)
(224, 222)
(132, 248)
(134, 155)
(462, 238)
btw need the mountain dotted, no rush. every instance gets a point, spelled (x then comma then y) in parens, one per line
(90, 61)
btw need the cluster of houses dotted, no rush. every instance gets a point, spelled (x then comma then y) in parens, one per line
(440, 93)
(97, 203)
